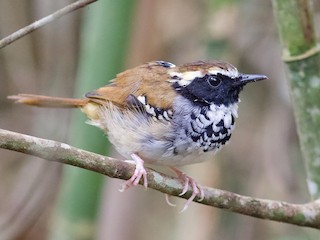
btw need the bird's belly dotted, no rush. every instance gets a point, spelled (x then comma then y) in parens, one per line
(191, 157)
(156, 142)
(134, 132)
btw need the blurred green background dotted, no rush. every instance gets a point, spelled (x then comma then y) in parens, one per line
(84, 50)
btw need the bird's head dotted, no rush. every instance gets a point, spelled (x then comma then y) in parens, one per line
(213, 82)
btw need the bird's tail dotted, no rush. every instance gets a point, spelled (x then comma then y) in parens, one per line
(46, 101)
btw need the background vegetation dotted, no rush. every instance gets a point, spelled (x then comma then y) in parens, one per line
(262, 159)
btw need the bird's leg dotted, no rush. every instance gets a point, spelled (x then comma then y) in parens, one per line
(197, 189)
(139, 172)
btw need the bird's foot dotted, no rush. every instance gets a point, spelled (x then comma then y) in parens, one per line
(139, 172)
(197, 188)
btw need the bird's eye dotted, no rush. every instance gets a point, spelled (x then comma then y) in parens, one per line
(213, 81)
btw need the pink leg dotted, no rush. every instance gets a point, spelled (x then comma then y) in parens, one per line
(139, 172)
(197, 189)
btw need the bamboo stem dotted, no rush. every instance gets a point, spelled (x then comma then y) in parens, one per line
(301, 54)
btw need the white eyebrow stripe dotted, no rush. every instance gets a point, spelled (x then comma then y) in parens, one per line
(185, 78)
(188, 76)
(233, 73)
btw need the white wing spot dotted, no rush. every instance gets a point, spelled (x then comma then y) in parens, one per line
(142, 99)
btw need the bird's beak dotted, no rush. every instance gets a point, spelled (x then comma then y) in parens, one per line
(247, 78)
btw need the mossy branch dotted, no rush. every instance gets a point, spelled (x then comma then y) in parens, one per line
(298, 214)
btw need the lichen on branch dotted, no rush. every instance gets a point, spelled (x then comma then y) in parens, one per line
(298, 214)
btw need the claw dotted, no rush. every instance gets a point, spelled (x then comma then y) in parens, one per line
(139, 172)
(197, 188)
(168, 201)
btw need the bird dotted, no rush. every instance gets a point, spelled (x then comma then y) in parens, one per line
(162, 114)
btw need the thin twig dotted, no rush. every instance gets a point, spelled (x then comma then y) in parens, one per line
(43, 21)
(298, 214)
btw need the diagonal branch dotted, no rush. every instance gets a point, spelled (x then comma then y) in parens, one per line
(298, 214)
(43, 21)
